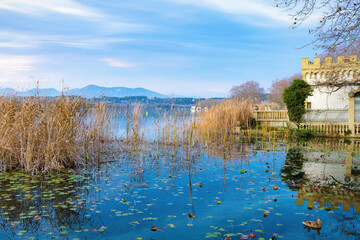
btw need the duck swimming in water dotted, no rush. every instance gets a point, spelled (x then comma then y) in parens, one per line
(312, 224)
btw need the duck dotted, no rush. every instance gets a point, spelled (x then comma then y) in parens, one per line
(312, 224)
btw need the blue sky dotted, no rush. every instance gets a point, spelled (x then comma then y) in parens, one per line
(181, 47)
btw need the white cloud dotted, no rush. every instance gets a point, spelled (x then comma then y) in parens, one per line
(100, 27)
(10, 64)
(115, 63)
(15, 40)
(259, 9)
(22, 40)
(36, 7)
(107, 23)
(80, 42)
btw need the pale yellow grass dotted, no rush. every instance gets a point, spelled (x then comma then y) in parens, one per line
(220, 121)
(39, 134)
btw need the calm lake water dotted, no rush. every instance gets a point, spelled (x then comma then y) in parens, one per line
(152, 119)
(216, 194)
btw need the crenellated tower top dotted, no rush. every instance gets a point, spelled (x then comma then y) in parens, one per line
(328, 62)
(319, 69)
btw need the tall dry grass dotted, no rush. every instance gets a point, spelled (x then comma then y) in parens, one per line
(178, 128)
(220, 121)
(134, 122)
(39, 134)
(170, 128)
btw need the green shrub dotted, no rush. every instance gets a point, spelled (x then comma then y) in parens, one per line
(347, 132)
(292, 170)
(252, 123)
(294, 97)
(304, 134)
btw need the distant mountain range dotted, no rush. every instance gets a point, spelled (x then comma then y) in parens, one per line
(89, 92)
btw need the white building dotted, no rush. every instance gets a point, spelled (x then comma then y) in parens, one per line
(332, 104)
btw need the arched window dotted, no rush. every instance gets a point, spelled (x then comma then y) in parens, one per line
(357, 106)
(340, 74)
(344, 75)
(328, 75)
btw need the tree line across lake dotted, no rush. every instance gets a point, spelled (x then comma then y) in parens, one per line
(250, 91)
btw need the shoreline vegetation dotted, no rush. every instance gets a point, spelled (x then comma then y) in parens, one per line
(39, 134)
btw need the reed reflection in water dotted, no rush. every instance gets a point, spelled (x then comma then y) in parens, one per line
(226, 190)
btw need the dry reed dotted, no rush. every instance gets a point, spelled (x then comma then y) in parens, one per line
(220, 121)
(39, 134)
(134, 121)
(177, 128)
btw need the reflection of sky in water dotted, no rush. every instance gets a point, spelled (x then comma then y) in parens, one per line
(93, 206)
(152, 121)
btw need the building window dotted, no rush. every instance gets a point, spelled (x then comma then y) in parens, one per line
(308, 105)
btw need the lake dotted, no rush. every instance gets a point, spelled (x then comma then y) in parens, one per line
(267, 189)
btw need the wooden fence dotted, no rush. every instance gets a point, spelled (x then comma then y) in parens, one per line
(280, 118)
(327, 128)
(271, 116)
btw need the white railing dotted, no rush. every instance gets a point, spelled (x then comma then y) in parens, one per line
(329, 122)
(271, 116)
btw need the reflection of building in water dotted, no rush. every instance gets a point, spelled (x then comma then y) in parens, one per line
(332, 166)
(326, 163)
(330, 144)
(335, 198)
(327, 168)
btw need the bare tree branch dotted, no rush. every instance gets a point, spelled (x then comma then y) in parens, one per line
(249, 90)
(338, 26)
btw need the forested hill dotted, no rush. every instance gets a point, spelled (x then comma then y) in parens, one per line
(88, 92)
